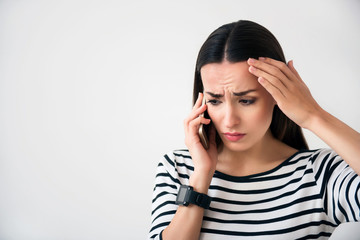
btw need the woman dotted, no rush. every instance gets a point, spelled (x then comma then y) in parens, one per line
(257, 179)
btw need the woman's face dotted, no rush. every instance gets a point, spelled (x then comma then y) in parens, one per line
(239, 107)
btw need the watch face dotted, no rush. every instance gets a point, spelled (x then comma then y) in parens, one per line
(182, 197)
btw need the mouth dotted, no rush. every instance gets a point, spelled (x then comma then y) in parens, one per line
(234, 137)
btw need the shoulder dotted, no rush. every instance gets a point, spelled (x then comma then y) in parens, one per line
(319, 157)
(324, 155)
(316, 159)
(179, 158)
(316, 155)
(327, 164)
(176, 165)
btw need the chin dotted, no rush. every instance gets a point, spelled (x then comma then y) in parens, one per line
(241, 148)
(236, 146)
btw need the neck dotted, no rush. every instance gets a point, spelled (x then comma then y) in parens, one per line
(263, 156)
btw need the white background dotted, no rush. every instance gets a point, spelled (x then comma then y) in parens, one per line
(93, 93)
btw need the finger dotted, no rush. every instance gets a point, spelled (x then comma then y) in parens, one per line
(194, 115)
(274, 67)
(280, 65)
(295, 72)
(269, 69)
(198, 101)
(274, 81)
(204, 120)
(194, 125)
(196, 112)
(273, 90)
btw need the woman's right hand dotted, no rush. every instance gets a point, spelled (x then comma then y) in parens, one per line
(204, 160)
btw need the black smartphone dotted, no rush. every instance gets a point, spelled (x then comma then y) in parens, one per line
(204, 129)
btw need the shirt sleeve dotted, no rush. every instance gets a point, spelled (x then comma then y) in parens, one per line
(340, 186)
(164, 196)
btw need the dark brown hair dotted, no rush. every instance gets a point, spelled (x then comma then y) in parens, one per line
(239, 41)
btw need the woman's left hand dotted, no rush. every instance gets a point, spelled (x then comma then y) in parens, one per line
(294, 98)
(287, 88)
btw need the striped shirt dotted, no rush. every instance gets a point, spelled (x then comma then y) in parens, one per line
(305, 197)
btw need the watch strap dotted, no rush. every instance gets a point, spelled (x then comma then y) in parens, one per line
(199, 199)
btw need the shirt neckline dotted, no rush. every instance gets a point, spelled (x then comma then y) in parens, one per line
(225, 176)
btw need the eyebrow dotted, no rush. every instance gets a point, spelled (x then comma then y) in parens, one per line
(238, 94)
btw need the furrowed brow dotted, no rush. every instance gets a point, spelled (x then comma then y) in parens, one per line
(239, 94)
(214, 95)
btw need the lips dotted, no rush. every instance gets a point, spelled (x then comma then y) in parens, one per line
(234, 137)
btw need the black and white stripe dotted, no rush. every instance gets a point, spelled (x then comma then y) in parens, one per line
(305, 197)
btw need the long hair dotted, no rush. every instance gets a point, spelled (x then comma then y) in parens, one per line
(239, 41)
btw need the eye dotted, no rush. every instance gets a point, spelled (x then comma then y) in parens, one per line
(214, 102)
(247, 101)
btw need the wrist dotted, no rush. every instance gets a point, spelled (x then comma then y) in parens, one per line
(201, 181)
(311, 117)
(317, 120)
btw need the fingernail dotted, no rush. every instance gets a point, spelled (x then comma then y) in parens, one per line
(261, 58)
(252, 69)
(251, 60)
(290, 63)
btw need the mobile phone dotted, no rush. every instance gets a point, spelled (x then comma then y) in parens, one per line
(204, 129)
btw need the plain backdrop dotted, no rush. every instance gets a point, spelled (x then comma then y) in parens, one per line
(93, 93)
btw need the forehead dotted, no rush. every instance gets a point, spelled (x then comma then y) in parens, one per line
(226, 76)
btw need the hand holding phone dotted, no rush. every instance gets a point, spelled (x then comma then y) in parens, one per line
(204, 129)
(204, 155)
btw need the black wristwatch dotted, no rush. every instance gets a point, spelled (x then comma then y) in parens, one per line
(187, 195)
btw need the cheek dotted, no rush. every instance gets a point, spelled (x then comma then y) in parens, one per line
(263, 116)
(215, 116)
(262, 119)
(211, 113)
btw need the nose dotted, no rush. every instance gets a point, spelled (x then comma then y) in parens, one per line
(231, 118)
